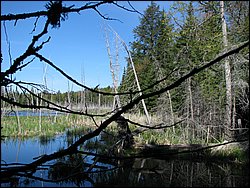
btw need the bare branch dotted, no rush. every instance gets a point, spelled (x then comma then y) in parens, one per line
(73, 80)
(8, 42)
(129, 10)
(144, 96)
(134, 9)
(158, 126)
(24, 65)
(10, 17)
(89, 5)
(35, 24)
(30, 51)
(56, 107)
(104, 17)
(59, 109)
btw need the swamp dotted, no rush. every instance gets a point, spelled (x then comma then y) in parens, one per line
(93, 167)
(125, 94)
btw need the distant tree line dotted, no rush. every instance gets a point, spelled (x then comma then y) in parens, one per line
(73, 99)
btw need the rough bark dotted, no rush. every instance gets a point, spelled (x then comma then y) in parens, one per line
(228, 77)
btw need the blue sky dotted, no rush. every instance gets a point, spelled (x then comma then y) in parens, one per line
(78, 47)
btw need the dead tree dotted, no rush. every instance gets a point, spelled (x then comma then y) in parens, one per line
(228, 77)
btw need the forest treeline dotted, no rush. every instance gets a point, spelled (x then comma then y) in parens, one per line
(170, 44)
(72, 99)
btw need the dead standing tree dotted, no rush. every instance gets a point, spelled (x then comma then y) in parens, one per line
(114, 66)
(73, 148)
(114, 69)
(55, 12)
(228, 77)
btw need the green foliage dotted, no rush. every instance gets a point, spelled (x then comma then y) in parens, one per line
(151, 52)
(160, 46)
(237, 13)
(232, 153)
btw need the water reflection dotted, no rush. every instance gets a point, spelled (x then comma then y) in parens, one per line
(87, 171)
(70, 169)
(175, 173)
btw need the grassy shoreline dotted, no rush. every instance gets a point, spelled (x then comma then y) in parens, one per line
(30, 126)
(49, 126)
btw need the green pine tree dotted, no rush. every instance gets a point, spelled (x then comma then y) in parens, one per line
(151, 51)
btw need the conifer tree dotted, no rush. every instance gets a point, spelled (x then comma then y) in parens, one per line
(149, 50)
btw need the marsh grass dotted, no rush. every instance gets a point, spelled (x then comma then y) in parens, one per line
(75, 125)
(234, 152)
(52, 125)
(49, 125)
(161, 136)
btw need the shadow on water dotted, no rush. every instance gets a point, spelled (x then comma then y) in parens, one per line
(70, 169)
(174, 173)
(81, 170)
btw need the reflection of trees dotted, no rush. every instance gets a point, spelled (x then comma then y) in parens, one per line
(122, 176)
(45, 140)
(144, 172)
(107, 143)
(70, 169)
(74, 134)
(173, 173)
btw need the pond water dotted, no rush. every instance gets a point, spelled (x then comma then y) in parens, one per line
(31, 113)
(143, 172)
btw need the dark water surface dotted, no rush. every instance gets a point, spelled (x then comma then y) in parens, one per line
(146, 172)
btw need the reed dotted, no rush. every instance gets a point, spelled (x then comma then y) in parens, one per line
(49, 125)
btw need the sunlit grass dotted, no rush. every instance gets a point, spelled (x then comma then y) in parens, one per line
(235, 152)
(46, 125)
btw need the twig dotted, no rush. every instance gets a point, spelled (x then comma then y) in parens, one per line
(35, 25)
(158, 126)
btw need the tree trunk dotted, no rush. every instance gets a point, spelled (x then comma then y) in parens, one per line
(228, 120)
(171, 110)
(124, 133)
(191, 108)
(69, 105)
(139, 87)
(135, 74)
(40, 117)
(17, 116)
(83, 95)
(114, 69)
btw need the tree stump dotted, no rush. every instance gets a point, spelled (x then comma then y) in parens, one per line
(124, 132)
